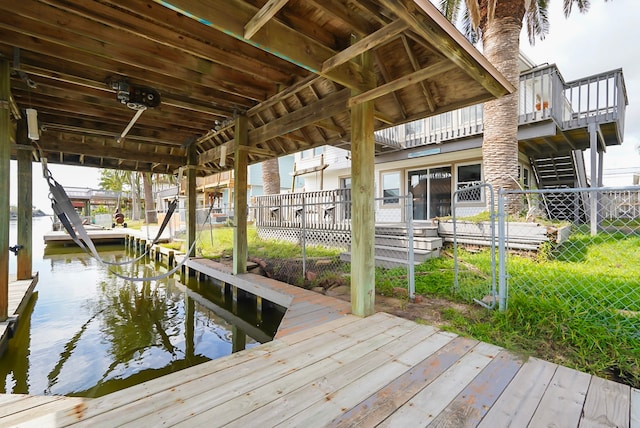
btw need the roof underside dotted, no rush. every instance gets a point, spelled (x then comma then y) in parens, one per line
(291, 66)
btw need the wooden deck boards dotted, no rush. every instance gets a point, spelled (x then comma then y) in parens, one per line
(19, 295)
(328, 368)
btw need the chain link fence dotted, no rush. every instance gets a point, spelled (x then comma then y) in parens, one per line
(586, 258)
(319, 224)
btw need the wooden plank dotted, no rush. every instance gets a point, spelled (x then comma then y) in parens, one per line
(371, 41)
(42, 411)
(375, 408)
(607, 404)
(425, 19)
(267, 12)
(211, 387)
(562, 402)
(334, 396)
(289, 383)
(248, 282)
(278, 39)
(519, 401)
(428, 403)
(470, 406)
(319, 402)
(635, 408)
(402, 82)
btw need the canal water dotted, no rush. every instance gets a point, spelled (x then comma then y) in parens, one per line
(87, 332)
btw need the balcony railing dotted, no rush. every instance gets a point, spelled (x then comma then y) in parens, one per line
(543, 95)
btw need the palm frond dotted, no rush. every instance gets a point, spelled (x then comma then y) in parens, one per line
(583, 6)
(537, 20)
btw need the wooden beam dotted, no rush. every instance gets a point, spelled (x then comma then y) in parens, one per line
(403, 82)
(51, 143)
(230, 17)
(362, 201)
(240, 167)
(5, 155)
(25, 204)
(326, 107)
(427, 21)
(416, 66)
(378, 38)
(267, 12)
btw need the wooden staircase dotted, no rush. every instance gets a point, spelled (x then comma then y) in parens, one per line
(561, 171)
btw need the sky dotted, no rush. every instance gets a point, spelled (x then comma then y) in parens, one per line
(603, 39)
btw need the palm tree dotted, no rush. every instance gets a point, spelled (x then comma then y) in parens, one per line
(498, 23)
(271, 176)
(151, 216)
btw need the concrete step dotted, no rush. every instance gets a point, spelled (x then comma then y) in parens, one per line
(400, 229)
(392, 262)
(419, 242)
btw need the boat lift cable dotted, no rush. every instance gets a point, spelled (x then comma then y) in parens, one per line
(72, 223)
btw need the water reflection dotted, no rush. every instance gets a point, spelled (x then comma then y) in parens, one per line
(88, 332)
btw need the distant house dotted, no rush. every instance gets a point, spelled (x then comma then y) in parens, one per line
(431, 158)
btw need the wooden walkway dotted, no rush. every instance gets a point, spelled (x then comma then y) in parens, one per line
(19, 294)
(329, 368)
(381, 370)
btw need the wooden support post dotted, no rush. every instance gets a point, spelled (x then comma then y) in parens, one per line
(25, 204)
(240, 164)
(238, 339)
(192, 161)
(5, 155)
(362, 200)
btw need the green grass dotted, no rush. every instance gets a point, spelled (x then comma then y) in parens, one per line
(572, 308)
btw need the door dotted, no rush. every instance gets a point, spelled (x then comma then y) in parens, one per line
(431, 192)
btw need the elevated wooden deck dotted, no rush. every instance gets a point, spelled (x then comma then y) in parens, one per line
(381, 370)
(19, 294)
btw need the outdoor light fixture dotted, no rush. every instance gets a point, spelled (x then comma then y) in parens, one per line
(32, 124)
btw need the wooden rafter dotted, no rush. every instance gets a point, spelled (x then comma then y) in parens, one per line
(403, 82)
(267, 12)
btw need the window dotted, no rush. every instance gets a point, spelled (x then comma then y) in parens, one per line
(306, 153)
(318, 151)
(391, 188)
(523, 176)
(469, 175)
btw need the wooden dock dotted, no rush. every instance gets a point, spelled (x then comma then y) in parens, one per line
(329, 368)
(382, 370)
(105, 236)
(19, 294)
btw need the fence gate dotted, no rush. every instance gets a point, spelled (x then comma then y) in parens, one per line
(470, 281)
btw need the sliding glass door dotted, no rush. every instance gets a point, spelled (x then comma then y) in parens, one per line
(431, 190)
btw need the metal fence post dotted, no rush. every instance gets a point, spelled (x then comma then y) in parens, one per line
(303, 237)
(502, 276)
(412, 279)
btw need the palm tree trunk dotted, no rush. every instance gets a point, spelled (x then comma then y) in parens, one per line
(271, 176)
(151, 216)
(501, 41)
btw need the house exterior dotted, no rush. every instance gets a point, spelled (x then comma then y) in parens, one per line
(432, 158)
